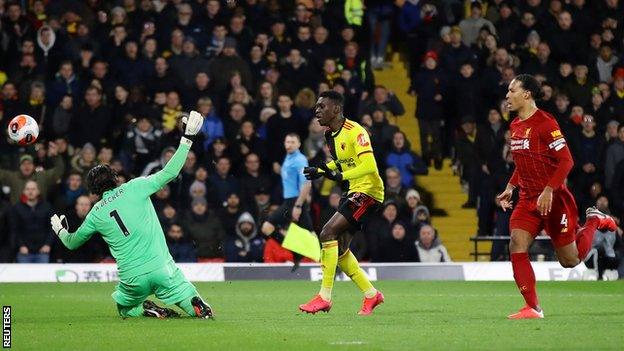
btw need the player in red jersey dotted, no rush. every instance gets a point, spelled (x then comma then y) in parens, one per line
(543, 161)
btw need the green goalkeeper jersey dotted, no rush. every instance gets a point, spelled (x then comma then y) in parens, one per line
(126, 219)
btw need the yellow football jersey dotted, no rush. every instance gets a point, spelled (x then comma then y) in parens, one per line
(346, 146)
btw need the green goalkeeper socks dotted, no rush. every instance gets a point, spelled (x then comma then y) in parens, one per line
(128, 311)
(187, 307)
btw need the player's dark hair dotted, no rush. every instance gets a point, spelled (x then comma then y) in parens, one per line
(334, 96)
(531, 84)
(101, 178)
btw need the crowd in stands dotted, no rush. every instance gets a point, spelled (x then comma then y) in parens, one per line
(465, 54)
(108, 82)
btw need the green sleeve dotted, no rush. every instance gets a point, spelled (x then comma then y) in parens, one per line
(74, 240)
(368, 165)
(146, 186)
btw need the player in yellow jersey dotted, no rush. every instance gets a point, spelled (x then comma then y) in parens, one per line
(355, 167)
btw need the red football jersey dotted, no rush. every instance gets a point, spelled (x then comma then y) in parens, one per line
(540, 153)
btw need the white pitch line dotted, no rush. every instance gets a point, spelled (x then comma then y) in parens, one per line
(347, 343)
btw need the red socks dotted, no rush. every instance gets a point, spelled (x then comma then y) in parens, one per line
(524, 277)
(585, 236)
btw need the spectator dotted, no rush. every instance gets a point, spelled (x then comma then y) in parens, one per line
(64, 83)
(223, 180)
(471, 26)
(16, 180)
(394, 189)
(488, 143)
(352, 60)
(284, 122)
(399, 247)
(223, 67)
(383, 97)
(180, 246)
(382, 132)
(468, 159)
(616, 100)
(141, 145)
(186, 65)
(429, 84)
(212, 127)
(84, 160)
(94, 250)
(253, 179)
(30, 226)
(379, 13)
(248, 141)
(244, 245)
(380, 229)
(204, 228)
(454, 53)
(566, 43)
(71, 190)
(132, 68)
(605, 63)
(430, 249)
(585, 147)
(162, 78)
(579, 89)
(297, 71)
(229, 213)
(406, 161)
(91, 123)
(614, 155)
(412, 202)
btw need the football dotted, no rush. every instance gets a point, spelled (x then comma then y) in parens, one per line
(23, 129)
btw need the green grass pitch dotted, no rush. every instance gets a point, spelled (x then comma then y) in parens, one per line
(264, 316)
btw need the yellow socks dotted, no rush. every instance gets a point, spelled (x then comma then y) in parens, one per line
(350, 266)
(329, 260)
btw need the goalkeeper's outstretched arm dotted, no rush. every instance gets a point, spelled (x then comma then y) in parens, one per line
(72, 240)
(151, 184)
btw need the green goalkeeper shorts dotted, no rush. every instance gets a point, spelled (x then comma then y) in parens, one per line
(168, 283)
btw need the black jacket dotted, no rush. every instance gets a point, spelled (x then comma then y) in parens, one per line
(30, 226)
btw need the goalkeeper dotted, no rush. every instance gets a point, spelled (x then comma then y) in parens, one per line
(127, 221)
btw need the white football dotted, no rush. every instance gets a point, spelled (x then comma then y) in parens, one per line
(23, 129)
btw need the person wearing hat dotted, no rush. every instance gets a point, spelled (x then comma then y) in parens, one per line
(16, 180)
(430, 85)
(204, 228)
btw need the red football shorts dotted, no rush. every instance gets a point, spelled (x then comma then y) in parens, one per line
(559, 224)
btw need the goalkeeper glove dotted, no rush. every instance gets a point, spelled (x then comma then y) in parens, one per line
(311, 173)
(58, 224)
(331, 174)
(193, 124)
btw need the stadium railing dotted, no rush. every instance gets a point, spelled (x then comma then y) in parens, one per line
(477, 239)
